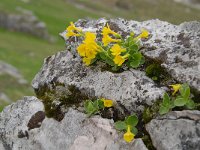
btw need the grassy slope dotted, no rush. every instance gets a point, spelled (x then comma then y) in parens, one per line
(25, 52)
(147, 9)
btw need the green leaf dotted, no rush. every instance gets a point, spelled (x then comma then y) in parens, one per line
(185, 91)
(89, 107)
(103, 55)
(109, 61)
(129, 41)
(134, 64)
(163, 110)
(120, 125)
(132, 120)
(99, 43)
(154, 78)
(180, 101)
(137, 56)
(100, 104)
(190, 104)
(171, 105)
(133, 49)
(142, 61)
(96, 104)
(135, 60)
(134, 130)
(115, 68)
(166, 100)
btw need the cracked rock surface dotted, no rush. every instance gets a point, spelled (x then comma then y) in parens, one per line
(175, 47)
(178, 130)
(74, 132)
(130, 88)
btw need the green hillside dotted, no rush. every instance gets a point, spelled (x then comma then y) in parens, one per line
(27, 52)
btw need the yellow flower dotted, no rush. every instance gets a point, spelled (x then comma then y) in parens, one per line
(107, 31)
(87, 61)
(70, 33)
(91, 53)
(86, 50)
(107, 39)
(117, 50)
(128, 136)
(119, 60)
(175, 87)
(89, 37)
(107, 102)
(144, 34)
(90, 41)
(89, 48)
(73, 27)
(82, 50)
(72, 30)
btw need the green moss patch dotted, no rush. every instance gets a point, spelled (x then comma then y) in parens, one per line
(59, 97)
(154, 70)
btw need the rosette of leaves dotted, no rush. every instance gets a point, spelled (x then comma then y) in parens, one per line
(131, 57)
(93, 107)
(182, 100)
(132, 46)
(131, 121)
(166, 105)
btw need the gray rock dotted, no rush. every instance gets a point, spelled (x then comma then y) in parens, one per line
(1, 146)
(175, 46)
(130, 88)
(6, 68)
(24, 21)
(4, 98)
(178, 130)
(23, 126)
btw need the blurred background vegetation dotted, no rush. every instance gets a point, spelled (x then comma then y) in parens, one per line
(29, 31)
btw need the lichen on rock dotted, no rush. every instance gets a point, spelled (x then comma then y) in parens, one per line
(64, 83)
(178, 130)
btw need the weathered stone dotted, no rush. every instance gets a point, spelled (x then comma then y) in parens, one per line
(24, 21)
(178, 130)
(6, 68)
(74, 132)
(1, 145)
(175, 46)
(133, 89)
(4, 98)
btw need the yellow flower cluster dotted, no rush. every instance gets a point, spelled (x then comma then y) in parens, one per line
(89, 48)
(128, 136)
(106, 32)
(72, 30)
(116, 52)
